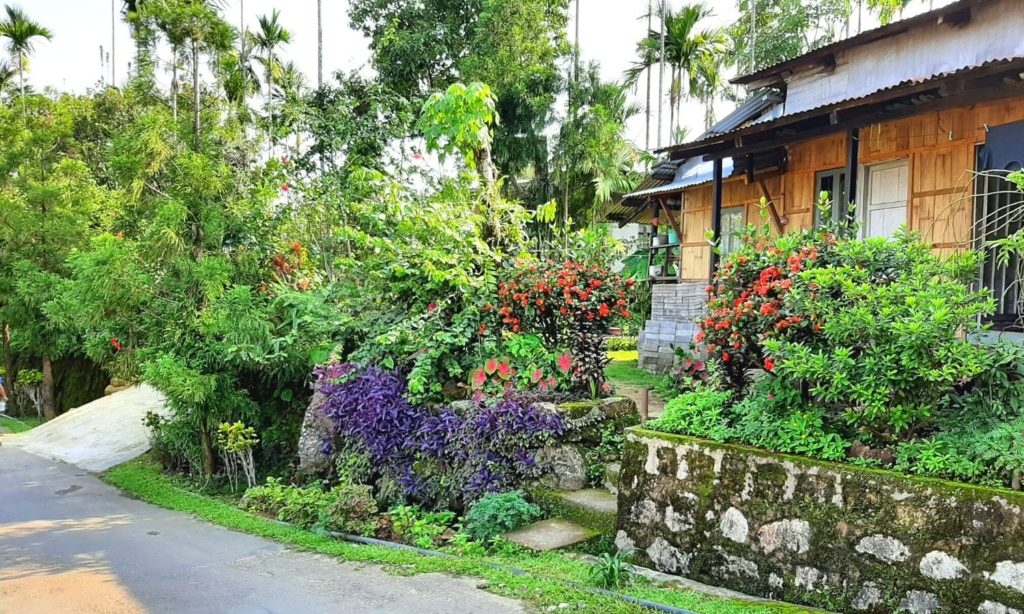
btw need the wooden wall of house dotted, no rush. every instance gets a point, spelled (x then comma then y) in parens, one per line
(940, 147)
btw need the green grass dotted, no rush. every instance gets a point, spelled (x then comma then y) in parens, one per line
(20, 425)
(623, 370)
(142, 478)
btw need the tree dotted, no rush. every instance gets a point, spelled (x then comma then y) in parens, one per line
(685, 46)
(784, 29)
(21, 32)
(708, 84)
(49, 206)
(887, 9)
(268, 38)
(515, 46)
(593, 159)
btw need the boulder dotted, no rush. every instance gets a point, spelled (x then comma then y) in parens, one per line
(563, 468)
(316, 429)
(116, 385)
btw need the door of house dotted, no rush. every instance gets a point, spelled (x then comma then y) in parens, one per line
(885, 198)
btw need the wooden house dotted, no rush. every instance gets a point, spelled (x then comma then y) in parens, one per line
(898, 120)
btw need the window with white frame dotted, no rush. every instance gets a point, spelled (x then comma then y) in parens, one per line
(734, 219)
(885, 198)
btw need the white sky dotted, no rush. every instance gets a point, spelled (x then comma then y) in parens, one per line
(609, 30)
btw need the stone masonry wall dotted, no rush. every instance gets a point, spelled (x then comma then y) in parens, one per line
(840, 537)
(674, 307)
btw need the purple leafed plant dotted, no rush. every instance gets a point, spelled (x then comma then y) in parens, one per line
(437, 455)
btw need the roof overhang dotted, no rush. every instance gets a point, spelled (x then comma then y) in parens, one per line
(990, 81)
(954, 14)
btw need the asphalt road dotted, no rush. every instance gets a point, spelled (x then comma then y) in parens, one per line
(70, 543)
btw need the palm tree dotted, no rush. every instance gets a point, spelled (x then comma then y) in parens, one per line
(685, 43)
(240, 78)
(319, 44)
(708, 84)
(7, 74)
(21, 32)
(268, 38)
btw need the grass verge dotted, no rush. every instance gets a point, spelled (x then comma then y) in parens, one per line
(142, 478)
(20, 425)
(623, 370)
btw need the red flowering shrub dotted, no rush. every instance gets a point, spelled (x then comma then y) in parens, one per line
(747, 299)
(571, 305)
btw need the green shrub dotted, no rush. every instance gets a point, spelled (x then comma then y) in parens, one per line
(495, 514)
(351, 510)
(891, 351)
(621, 344)
(422, 529)
(701, 413)
(348, 508)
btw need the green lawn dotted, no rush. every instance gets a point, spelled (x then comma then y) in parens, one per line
(622, 370)
(142, 477)
(20, 425)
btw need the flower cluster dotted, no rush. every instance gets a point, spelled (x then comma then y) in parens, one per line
(552, 298)
(747, 301)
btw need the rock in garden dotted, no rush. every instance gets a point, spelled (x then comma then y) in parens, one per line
(315, 430)
(562, 467)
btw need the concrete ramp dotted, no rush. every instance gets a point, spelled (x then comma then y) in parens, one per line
(97, 435)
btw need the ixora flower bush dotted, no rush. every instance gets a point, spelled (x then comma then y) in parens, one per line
(439, 457)
(570, 305)
(821, 344)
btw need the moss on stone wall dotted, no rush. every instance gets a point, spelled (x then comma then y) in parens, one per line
(824, 534)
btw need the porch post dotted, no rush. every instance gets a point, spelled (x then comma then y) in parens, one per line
(852, 158)
(716, 213)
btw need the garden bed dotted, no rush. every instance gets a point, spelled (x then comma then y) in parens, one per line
(836, 536)
(549, 581)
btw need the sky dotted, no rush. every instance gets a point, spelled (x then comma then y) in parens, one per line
(609, 30)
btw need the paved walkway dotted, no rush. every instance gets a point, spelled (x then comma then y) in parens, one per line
(70, 543)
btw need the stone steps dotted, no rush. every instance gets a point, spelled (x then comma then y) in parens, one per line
(550, 534)
(592, 508)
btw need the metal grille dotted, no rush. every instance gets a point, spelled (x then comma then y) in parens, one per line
(999, 213)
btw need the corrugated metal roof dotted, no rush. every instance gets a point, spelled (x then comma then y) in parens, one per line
(768, 120)
(892, 29)
(748, 110)
(694, 172)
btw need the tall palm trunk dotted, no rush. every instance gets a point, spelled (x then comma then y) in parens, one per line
(49, 407)
(195, 91)
(650, 67)
(319, 45)
(21, 82)
(174, 82)
(672, 99)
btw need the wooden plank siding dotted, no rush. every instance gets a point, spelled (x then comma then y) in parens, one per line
(939, 145)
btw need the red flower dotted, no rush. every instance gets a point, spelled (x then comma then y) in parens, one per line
(604, 310)
(483, 330)
(769, 364)
(284, 187)
(431, 307)
(117, 344)
(725, 357)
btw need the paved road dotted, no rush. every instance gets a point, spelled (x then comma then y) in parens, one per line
(70, 543)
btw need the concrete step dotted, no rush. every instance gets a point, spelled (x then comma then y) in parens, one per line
(550, 534)
(593, 508)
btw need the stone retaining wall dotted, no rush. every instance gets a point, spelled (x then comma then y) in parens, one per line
(674, 307)
(835, 536)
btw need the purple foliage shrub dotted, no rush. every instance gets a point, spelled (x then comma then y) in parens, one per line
(439, 456)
